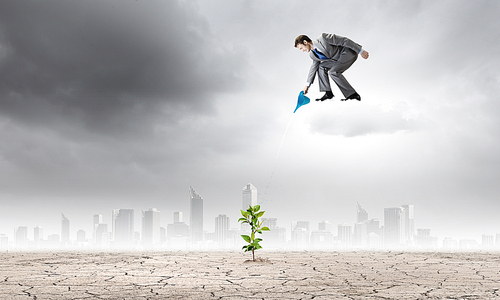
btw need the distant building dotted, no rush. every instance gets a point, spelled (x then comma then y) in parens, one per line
(424, 240)
(96, 220)
(409, 224)
(361, 214)
(196, 216)
(123, 227)
(151, 227)
(37, 236)
(21, 236)
(322, 238)
(221, 229)
(179, 230)
(450, 244)
(487, 241)
(178, 217)
(325, 226)
(81, 236)
(394, 226)
(64, 230)
(345, 235)
(300, 234)
(102, 236)
(276, 237)
(249, 196)
(4, 242)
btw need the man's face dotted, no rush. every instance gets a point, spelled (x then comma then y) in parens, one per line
(305, 46)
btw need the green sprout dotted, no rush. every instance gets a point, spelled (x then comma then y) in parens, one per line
(251, 216)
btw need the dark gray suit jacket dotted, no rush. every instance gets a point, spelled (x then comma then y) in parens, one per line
(331, 46)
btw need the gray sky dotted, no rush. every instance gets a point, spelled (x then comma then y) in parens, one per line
(125, 104)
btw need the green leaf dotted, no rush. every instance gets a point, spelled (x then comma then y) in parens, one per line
(254, 244)
(242, 220)
(258, 240)
(246, 238)
(253, 236)
(259, 231)
(244, 213)
(265, 229)
(260, 214)
(256, 208)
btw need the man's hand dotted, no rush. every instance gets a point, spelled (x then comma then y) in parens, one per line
(365, 54)
(305, 89)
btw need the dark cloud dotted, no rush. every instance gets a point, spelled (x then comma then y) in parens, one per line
(102, 61)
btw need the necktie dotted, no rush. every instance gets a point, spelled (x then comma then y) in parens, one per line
(319, 54)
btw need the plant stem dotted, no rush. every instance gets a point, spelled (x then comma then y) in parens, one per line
(253, 255)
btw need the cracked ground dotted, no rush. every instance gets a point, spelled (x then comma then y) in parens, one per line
(226, 275)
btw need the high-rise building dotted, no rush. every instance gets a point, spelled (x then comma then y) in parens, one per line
(123, 227)
(64, 230)
(221, 229)
(276, 237)
(249, 196)
(21, 236)
(150, 227)
(409, 220)
(178, 217)
(96, 220)
(300, 234)
(102, 236)
(4, 241)
(81, 236)
(345, 235)
(37, 235)
(325, 226)
(196, 216)
(394, 226)
(361, 215)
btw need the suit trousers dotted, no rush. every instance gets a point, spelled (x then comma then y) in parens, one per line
(335, 68)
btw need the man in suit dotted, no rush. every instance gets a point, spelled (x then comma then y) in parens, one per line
(331, 55)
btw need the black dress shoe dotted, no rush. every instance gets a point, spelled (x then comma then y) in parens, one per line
(352, 97)
(327, 95)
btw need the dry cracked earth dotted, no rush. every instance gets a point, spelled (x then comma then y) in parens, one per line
(225, 275)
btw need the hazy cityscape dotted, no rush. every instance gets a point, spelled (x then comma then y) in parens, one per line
(397, 231)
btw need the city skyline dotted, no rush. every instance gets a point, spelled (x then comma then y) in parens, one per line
(397, 231)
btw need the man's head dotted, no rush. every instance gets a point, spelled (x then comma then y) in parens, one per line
(303, 43)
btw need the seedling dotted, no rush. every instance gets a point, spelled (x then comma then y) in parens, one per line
(251, 216)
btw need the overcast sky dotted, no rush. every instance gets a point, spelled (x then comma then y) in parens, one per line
(125, 104)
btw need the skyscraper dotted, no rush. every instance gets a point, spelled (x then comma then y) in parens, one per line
(394, 226)
(123, 227)
(37, 235)
(21, 236)
(345, 235)
(96, 220)
(409, 220)
(64, 230)
(178, 217)
(150, 227)
(101, 236)
(196, 216)
(221, 228)
(362, 215)
(249, 196)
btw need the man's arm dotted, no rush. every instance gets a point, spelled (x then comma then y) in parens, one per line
(337, 40)
(312, 74)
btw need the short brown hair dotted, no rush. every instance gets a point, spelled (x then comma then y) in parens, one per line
(301, 38)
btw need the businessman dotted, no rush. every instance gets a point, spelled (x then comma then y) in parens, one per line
(331, 55)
